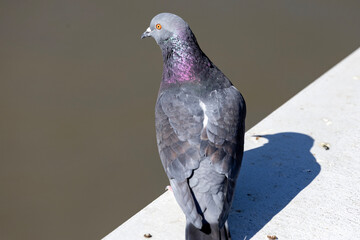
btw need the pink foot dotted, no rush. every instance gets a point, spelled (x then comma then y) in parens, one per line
(168, 188)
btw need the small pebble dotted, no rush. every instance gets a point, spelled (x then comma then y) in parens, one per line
(326, 146)
(272, 237)
(257, 137)
(147, 235)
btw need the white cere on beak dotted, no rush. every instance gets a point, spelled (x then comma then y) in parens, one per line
(148, 30)
(203, 107)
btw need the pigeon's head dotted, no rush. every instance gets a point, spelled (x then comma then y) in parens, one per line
(165, 26)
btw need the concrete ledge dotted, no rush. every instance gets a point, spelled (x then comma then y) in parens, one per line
(300, 177)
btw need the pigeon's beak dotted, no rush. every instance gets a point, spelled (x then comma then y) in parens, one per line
(146, 33)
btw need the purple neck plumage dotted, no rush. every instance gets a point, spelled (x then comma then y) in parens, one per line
(183, 59)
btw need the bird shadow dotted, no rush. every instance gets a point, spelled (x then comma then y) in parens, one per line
(270, 177)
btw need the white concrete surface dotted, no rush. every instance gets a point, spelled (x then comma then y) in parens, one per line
(290, 186)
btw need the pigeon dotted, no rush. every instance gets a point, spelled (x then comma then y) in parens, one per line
(200, 125)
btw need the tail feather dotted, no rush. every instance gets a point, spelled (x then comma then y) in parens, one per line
(207, 232)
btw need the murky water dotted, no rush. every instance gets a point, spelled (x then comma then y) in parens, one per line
(78, 88)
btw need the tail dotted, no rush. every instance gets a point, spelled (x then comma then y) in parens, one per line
(207, 232)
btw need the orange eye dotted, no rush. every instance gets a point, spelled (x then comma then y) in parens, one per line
(158, 26)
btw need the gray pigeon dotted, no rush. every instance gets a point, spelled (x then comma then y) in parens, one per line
(200, 120)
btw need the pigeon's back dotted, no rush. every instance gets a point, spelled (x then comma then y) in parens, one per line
(200, 122)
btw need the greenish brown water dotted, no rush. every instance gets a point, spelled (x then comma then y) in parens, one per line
(78, 154)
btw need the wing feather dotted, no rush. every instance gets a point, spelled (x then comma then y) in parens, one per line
(184, 141)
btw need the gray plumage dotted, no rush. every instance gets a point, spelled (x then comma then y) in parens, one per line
(200, 122)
